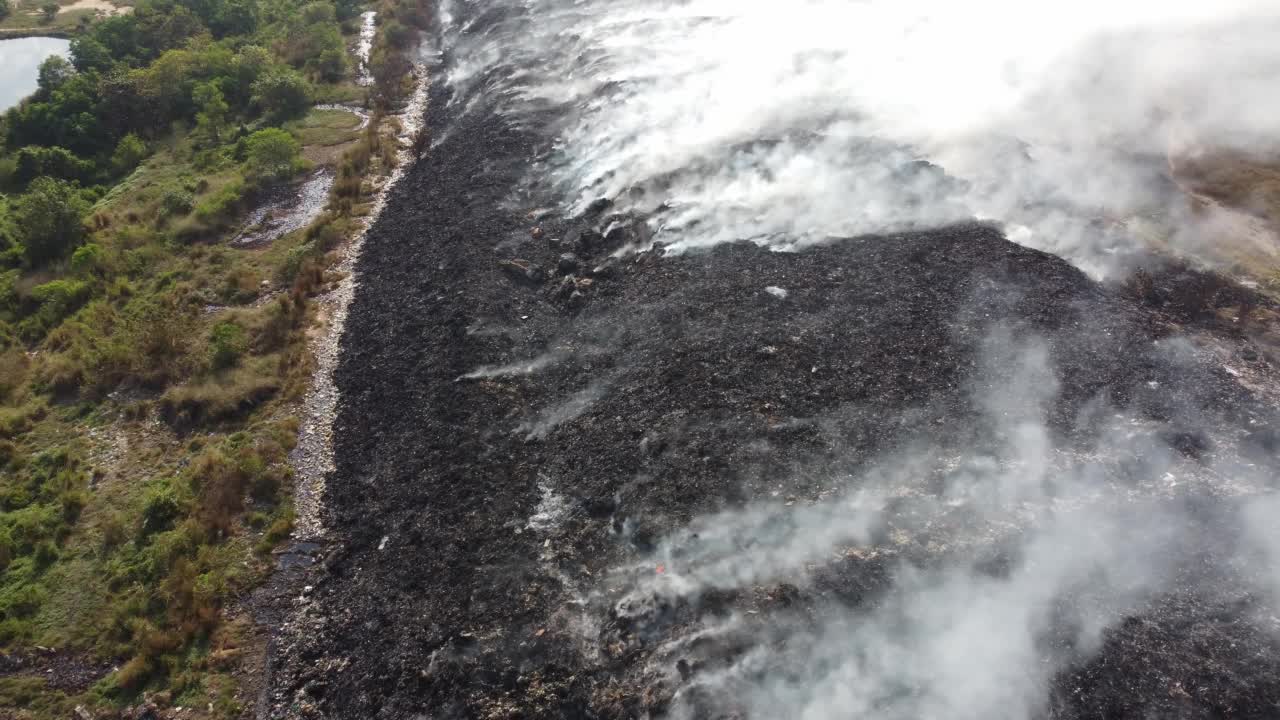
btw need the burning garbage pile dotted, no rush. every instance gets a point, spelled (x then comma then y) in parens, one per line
(653, 408)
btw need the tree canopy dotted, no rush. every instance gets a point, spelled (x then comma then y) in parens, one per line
(49, 218)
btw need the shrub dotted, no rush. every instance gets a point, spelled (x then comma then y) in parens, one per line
(46, 553)
(331, 64)
(160, 509)
(318, 12)
(212, 118)
(176, 201)
(56, 300)
(223, 204)
(227, 342)
(48, 11)
(86, 259)
(14, 366)
(49, 217)
(276, 533)
(33, 162)
(133, 674)
(22, 601)
(397, 34)
(273, 154)
(129, 154)
(276, 322)
(114, 533)
(217, 399)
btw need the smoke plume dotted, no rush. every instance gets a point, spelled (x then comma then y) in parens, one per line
(792, 123)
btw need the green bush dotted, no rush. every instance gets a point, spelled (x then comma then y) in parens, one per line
(176, 201)
(86, 259)
(222, 205)
(45, 554)
(29, 525)
(48, 216)
(55, 300)
(33, 162)
(129, 154)
(227, 343)
(160, 509)
(273, 154)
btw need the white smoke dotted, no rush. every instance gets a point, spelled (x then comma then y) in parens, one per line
(516, 369)
(790, 123)
(793, 123)
(1086, 547)
(550, 418)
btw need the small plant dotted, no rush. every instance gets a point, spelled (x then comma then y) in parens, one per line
(176, 202)
(227, 343)
(86, 259)
(48, 11)
(129, 153)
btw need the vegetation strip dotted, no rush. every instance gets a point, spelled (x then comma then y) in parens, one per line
(150, 372)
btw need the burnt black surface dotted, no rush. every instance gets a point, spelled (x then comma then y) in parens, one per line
(707, 391)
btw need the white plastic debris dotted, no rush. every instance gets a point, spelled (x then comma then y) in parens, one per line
(777, 292)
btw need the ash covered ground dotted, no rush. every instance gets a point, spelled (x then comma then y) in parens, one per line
(916, 474)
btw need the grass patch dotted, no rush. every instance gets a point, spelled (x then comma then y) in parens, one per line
(326, 128)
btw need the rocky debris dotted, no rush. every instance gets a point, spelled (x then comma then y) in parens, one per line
(585, 241)
(568, 264)
(524, 270)
(63, 670)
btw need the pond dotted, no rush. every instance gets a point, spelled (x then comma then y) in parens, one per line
(20, 60)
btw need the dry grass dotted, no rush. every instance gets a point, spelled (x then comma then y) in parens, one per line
(1239, 181)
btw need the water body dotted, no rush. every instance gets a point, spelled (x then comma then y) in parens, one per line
(20, 60)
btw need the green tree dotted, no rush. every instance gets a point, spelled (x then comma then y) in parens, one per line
(48, 216)
(129, 154)
(235, 17)
(54, 71)
(48, 11)
(320, 11)
(249, 64)
(212, 116)
(326, 52)
(34, 161)
(6, 9)
(347, 9)
(87, 54)
(273, 154)
(282, 94)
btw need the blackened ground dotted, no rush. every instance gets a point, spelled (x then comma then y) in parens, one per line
(668, 387)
